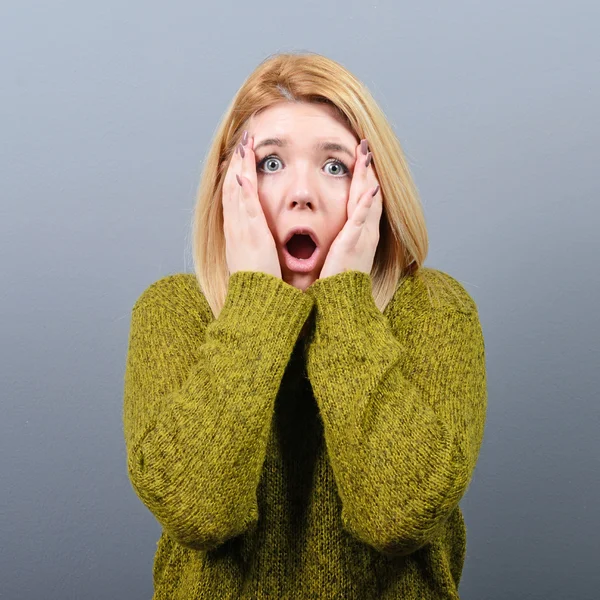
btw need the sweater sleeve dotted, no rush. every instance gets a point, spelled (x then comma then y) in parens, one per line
(199, 400)
(403, 404)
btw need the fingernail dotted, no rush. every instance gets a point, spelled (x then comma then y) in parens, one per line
(238, 179)
(364, 146)
(245, 138)
(241, 149)
(369, 159)
(376, 190)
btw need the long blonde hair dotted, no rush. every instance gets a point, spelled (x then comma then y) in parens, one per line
(310, 77)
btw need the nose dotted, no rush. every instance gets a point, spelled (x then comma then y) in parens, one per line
(301, 201)
(302, 189)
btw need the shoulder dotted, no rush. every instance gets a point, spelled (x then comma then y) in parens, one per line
(428, 289)
(177, 293)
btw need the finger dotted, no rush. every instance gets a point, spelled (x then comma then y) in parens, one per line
(369, 208)
(377, 204)
(371, 177)
(363, 219)
(246, 199)
(247, 178)
(374, 211)
(230, 192)
(355, 225)
(352, 195)
(229, 179)
(226, 196)
(360, 174)
(238, 198)
(249, 162)
(366, 201)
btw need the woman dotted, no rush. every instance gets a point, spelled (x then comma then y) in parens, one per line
(303, 414)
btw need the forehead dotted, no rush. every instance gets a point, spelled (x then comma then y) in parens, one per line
(300, 119)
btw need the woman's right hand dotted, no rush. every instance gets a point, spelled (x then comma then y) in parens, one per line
(248, 240)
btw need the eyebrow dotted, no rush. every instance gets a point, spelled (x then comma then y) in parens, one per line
(325, 146)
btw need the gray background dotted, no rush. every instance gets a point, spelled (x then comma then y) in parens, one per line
(107, 110)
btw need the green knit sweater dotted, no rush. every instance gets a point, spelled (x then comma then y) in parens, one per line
(326, 466)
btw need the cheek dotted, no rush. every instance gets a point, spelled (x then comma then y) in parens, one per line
(266, 188)
(341, 202)
(267, 199)
(338, 213)
(337, 191)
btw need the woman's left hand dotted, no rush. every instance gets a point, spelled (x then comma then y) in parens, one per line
(354, 247)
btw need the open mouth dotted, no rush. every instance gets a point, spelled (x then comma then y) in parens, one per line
(301, 246)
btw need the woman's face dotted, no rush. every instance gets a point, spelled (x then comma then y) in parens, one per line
(299, 183)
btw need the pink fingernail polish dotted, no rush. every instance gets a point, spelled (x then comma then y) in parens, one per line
(364, 146)
(376, 190)
(369, 159)
(242, 151)
(245, 138)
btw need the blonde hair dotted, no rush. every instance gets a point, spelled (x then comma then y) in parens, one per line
(310, 77)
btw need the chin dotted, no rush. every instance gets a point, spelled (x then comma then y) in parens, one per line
(300, 280)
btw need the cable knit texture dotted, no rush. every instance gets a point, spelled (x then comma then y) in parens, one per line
(322, 466)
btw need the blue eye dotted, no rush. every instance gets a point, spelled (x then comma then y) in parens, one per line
(339, 163)
(269, 160)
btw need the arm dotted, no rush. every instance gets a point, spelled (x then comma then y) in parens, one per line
(403, 403)
(198, 404)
